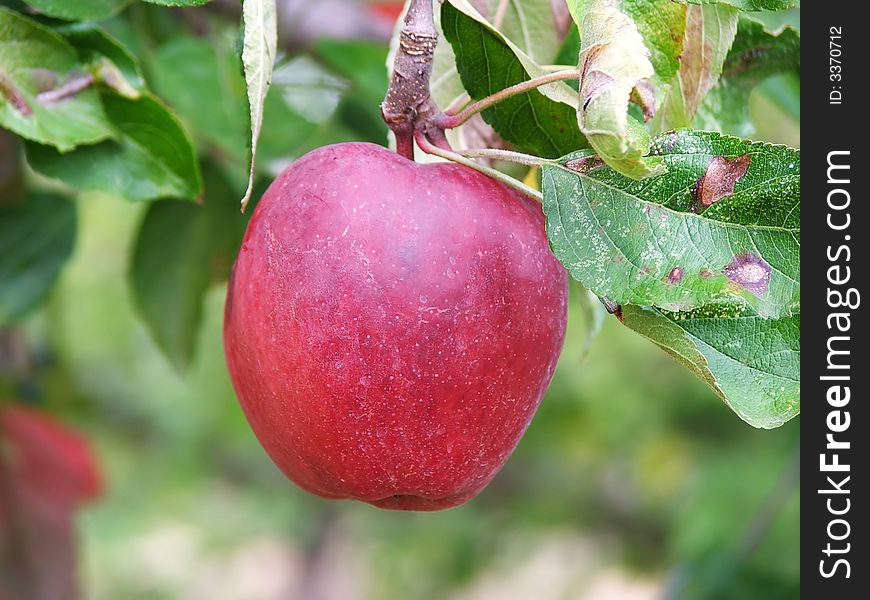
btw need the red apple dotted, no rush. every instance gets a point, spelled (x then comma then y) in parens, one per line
(391, 327)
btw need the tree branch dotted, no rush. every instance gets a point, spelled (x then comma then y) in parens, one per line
(407, 98)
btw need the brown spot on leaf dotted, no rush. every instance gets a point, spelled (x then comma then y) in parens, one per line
(614, 308)
(584, 164)
(750, 272)
(705, 273)
(721, 177)
(675, 276)
(11, 93)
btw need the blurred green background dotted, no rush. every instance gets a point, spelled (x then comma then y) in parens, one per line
(633, 482)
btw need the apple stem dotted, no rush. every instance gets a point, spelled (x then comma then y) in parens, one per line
(507, 155)
(407, 100)
(429, 148)
(449, 121)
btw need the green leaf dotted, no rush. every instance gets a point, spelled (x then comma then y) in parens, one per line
(529, 27)
(756, 55)
(751, 362)
(710, 30)
(613, 59)
(190, 74)
(260, 42)
(662, 25)
(181, 248)
(749, 5)
(94, 46)
(36, 238)
(543, 121)
(79, 10)
(721, 227)
(35, 60)
(360, 62)
(152, 158)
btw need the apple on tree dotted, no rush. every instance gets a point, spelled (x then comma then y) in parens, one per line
(391, 327)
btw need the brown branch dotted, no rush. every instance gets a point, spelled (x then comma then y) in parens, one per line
(449, 121)
(407, 98)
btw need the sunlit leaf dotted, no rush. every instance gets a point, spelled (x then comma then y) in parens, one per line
(151, 159)
(35, 64)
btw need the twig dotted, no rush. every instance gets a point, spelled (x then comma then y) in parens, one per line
(449, 121)
(507, 156)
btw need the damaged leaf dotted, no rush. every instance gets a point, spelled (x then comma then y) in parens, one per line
(613, 59)
(710, 30)
(720, 178)
(654, 243)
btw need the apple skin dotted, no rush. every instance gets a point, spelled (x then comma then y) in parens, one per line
(391, 327)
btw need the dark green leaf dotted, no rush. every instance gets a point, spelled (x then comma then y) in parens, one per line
(180, 250)
(751, 362)
(755, 55)
(36, 238)
(79, 10)
(721, 227)
(533, 121)
(152, 158)
(206, 88)
(35, 60)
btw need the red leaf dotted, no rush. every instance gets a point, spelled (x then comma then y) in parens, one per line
(46, 472)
